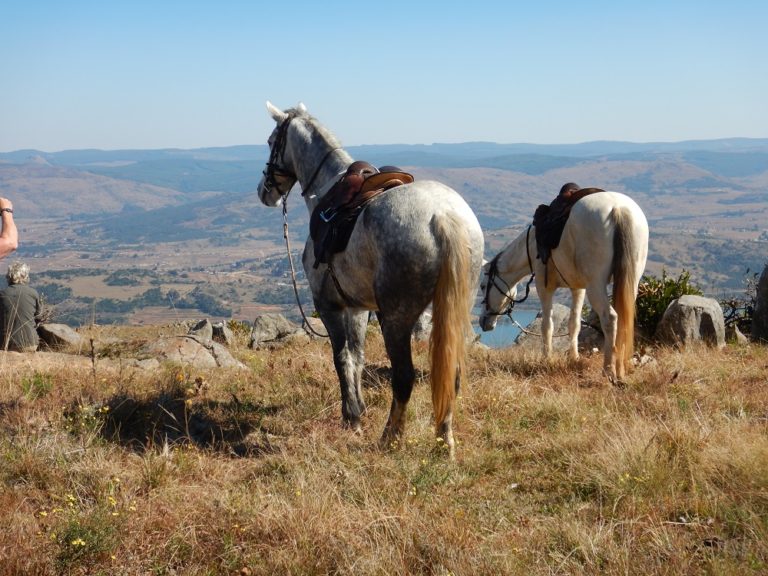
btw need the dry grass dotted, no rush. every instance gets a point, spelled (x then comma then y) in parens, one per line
(106, 470)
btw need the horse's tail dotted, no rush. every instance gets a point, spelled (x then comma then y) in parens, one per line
(624, 283)
(451, 309)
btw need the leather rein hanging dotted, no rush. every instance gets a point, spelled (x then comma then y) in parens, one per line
(493, 277)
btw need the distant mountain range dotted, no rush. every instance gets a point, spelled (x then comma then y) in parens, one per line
(706, 200)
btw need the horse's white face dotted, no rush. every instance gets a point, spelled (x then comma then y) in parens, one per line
(496, 296)
(279, 175)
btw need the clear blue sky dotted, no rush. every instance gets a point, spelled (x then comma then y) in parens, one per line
(165, 73)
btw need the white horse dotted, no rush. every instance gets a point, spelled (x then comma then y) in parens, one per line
(605, 237)
(415, 244)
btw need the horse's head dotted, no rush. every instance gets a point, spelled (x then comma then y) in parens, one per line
(498, 296)
(279, 175)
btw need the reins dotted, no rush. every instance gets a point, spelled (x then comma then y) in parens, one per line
(493, 276)
(293, 271)
(273, 170)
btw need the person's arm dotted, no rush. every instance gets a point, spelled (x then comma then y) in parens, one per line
(9, 237)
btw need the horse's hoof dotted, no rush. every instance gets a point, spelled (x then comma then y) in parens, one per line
(390, 440)
(354, 425)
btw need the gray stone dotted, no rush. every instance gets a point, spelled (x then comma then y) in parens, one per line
(317, 326)
(60, 336)
(760, 315)
(270, 328)
(222, 334)
(692, 319)
(192, 351)
(202, 329)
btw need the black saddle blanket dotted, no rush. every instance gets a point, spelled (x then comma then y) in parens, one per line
(549, 220)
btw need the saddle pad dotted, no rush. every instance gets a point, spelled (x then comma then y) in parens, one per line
(549, 220)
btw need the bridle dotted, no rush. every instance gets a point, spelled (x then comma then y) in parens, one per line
(493, 278)
(275, 167)
(271, 173)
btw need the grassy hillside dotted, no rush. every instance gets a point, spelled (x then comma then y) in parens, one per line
(107, 470)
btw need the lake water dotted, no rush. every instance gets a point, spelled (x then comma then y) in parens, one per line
(505, 332)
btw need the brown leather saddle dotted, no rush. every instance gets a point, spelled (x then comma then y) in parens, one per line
(549, 220)
(334, 217)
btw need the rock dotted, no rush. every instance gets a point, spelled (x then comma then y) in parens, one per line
(318, 326)
(270, 328)
(202, 329)
(60, 336)
(148, 364)
(193, 351)
(692, 319)
(222, 334)
(760, 315)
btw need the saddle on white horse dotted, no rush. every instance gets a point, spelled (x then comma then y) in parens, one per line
(549, 220)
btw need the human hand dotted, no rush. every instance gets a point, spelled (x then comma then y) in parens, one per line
(5, 203)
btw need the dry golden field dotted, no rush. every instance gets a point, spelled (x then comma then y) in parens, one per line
(105, 469)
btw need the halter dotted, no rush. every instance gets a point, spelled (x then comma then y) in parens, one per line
(493, 276)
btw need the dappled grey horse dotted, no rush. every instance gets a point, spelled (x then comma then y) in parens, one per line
(416, 244)
(604, 240)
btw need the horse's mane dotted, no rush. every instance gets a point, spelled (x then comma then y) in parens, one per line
(322, 131)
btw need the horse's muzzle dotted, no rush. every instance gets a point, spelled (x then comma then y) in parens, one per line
(487, 322)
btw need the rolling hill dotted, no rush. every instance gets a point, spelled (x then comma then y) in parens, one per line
(195, 211)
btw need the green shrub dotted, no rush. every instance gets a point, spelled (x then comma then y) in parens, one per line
(655, 294)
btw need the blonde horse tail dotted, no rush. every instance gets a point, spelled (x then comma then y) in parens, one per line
(624, 283)
(451, 309)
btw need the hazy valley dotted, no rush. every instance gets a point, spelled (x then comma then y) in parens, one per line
(141, 236)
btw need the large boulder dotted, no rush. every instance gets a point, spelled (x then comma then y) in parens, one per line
(271, 329)
(192, 351)
(203, 330)
(760, 314)
(692, 319)
(59, 337)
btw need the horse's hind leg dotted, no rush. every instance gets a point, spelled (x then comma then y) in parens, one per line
(598, 298)
(397, 339)
(347, 330)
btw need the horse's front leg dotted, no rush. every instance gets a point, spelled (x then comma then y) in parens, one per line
(598, 298)
(574, 322)
(347, 330)
(546, 297)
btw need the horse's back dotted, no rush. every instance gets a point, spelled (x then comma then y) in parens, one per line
(395, 242)
(403, 218)
(587, 239)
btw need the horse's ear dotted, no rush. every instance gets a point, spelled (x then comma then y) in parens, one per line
(277, 114)
(301, 108)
